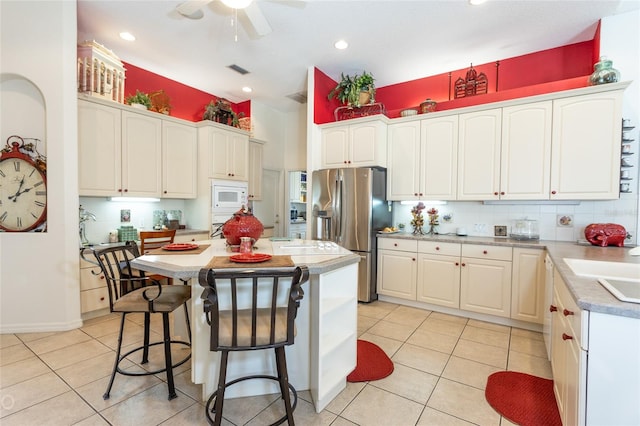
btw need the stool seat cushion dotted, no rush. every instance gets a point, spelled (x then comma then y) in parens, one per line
(263, 320)
(172, 297)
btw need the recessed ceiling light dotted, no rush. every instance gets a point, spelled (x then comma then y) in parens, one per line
(237, 4)
(341, 44)
(247, 89)
(127, 36)
(476, 2)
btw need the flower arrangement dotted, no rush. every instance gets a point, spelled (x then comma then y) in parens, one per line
(433, 220)
(418, 221)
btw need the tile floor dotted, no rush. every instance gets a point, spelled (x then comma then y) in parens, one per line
(441, 366)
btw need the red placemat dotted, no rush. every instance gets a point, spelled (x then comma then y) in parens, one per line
(198, 250)
(220, 262)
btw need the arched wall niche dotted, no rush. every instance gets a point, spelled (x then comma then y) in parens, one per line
(23, 113)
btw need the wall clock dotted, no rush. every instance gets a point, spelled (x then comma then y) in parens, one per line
(23, 188)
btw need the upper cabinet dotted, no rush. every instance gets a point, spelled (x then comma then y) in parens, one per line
(179, 159)
(586, 147)
(123, 152)
(403, 156)
(255, 169)
(361, 144)
(479, 155)
(228, 152)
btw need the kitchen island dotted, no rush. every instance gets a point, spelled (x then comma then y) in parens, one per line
(324, 352)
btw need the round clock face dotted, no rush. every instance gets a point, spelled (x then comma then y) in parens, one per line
(23, 195)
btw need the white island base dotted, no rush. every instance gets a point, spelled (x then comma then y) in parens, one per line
(324, 351)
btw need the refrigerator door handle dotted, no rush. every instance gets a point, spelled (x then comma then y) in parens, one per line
(338, 213)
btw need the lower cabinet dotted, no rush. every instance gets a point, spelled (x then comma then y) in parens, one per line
(494, 280)
(397, 268)
(485, 279)
(191, 237)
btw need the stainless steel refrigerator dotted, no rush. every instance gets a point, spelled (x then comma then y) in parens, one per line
(349, 207)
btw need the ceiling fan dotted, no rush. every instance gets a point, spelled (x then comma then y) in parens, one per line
(193, 9)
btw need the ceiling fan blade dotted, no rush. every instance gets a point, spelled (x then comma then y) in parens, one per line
(256, 18)
(190, 7)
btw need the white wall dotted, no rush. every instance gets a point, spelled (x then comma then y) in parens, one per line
(39, 277)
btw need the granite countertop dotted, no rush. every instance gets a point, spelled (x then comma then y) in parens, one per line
(586, 291)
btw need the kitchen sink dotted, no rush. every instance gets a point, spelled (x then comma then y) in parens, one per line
(602, 269)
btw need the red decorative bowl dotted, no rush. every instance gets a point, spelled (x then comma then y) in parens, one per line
(242, 224)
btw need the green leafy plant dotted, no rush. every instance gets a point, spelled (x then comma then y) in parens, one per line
(139, 98)
(220, 111)
(349, 88)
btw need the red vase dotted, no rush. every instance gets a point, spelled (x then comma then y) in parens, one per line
(242, 224)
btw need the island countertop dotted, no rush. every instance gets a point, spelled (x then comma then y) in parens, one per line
(318, 256)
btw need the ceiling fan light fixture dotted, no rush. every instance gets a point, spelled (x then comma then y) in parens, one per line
(236, 4)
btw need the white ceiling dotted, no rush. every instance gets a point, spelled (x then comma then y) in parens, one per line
(396, 40)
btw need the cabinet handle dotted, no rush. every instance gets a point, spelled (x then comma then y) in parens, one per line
(413, 258)
(553, 192)
(165, 192)
(421, 194)
(437, 248)
(566, 337)
(464, 264)
(102, 277)
(457, 264)
(495, 193)
(553, 308)
(102, 298)
(502, 193)
(120, 190)
(484, 252)
(415, 194)
(126, 190)
(567, 312)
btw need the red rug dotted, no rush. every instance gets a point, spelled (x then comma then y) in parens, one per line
(372, 363)
(523, 399)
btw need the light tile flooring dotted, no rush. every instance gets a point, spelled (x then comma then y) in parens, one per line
(441, 367)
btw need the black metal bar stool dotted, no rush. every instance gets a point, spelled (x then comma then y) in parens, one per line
(251, 310)
(131, 291)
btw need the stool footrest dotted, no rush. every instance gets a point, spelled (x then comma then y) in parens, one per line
(149, 373)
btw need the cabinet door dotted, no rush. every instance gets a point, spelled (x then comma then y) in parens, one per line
(239, 156)
(335, 147)
(403, 156)
(586, 147)
(367, 145)
(397, 273)
(99, 149)
(220, 154)
(439, 158)
(527, 285)
(179, 160)
(479, 155)
(439, 280)
(526, 152)
(141, 155)
(485, 286)
(255, 171)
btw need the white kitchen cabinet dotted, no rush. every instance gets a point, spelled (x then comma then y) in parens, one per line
(568, 359)
(479, 155)
(397, 268)
(485, 279)
(297, 187)
(586, 147)
(228, 152)
(527, 285)
(439, 273)
(191, 237)
(255, 169)
(525, 162)
(422, 157)
(141, 155)
(179, 160)
(362, 144)
(403, 156)
(99, 149)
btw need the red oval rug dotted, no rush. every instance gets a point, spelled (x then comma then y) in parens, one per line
(372, 363)
(523, 399)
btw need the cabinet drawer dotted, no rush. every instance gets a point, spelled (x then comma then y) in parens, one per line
(88, 280)
(92, 300)
(487, 252)
(398, 244)
(190, 237)
(434, 247)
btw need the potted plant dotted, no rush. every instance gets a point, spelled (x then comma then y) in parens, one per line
(140, 98)
(354, 90)
(220, 111)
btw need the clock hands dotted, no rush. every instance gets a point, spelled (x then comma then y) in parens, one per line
(18, 192)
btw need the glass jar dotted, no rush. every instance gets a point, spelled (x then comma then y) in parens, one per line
(604, 72)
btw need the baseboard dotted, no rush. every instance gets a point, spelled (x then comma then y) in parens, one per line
(40, 327)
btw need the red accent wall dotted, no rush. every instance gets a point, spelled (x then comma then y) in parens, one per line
(187, 102)
(561, 68)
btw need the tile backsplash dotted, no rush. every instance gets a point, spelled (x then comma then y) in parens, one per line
(559, 222)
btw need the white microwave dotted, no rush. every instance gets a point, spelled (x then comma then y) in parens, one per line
(228, 196)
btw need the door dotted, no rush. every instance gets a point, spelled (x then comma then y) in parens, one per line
(355, 196)
(325, 206)
(269, 210)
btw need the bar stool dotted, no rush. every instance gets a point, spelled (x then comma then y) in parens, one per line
(251, 310)
(131, 291)
(150, 240)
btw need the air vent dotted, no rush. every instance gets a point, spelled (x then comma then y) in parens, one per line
(238, 69)
(300, 97)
